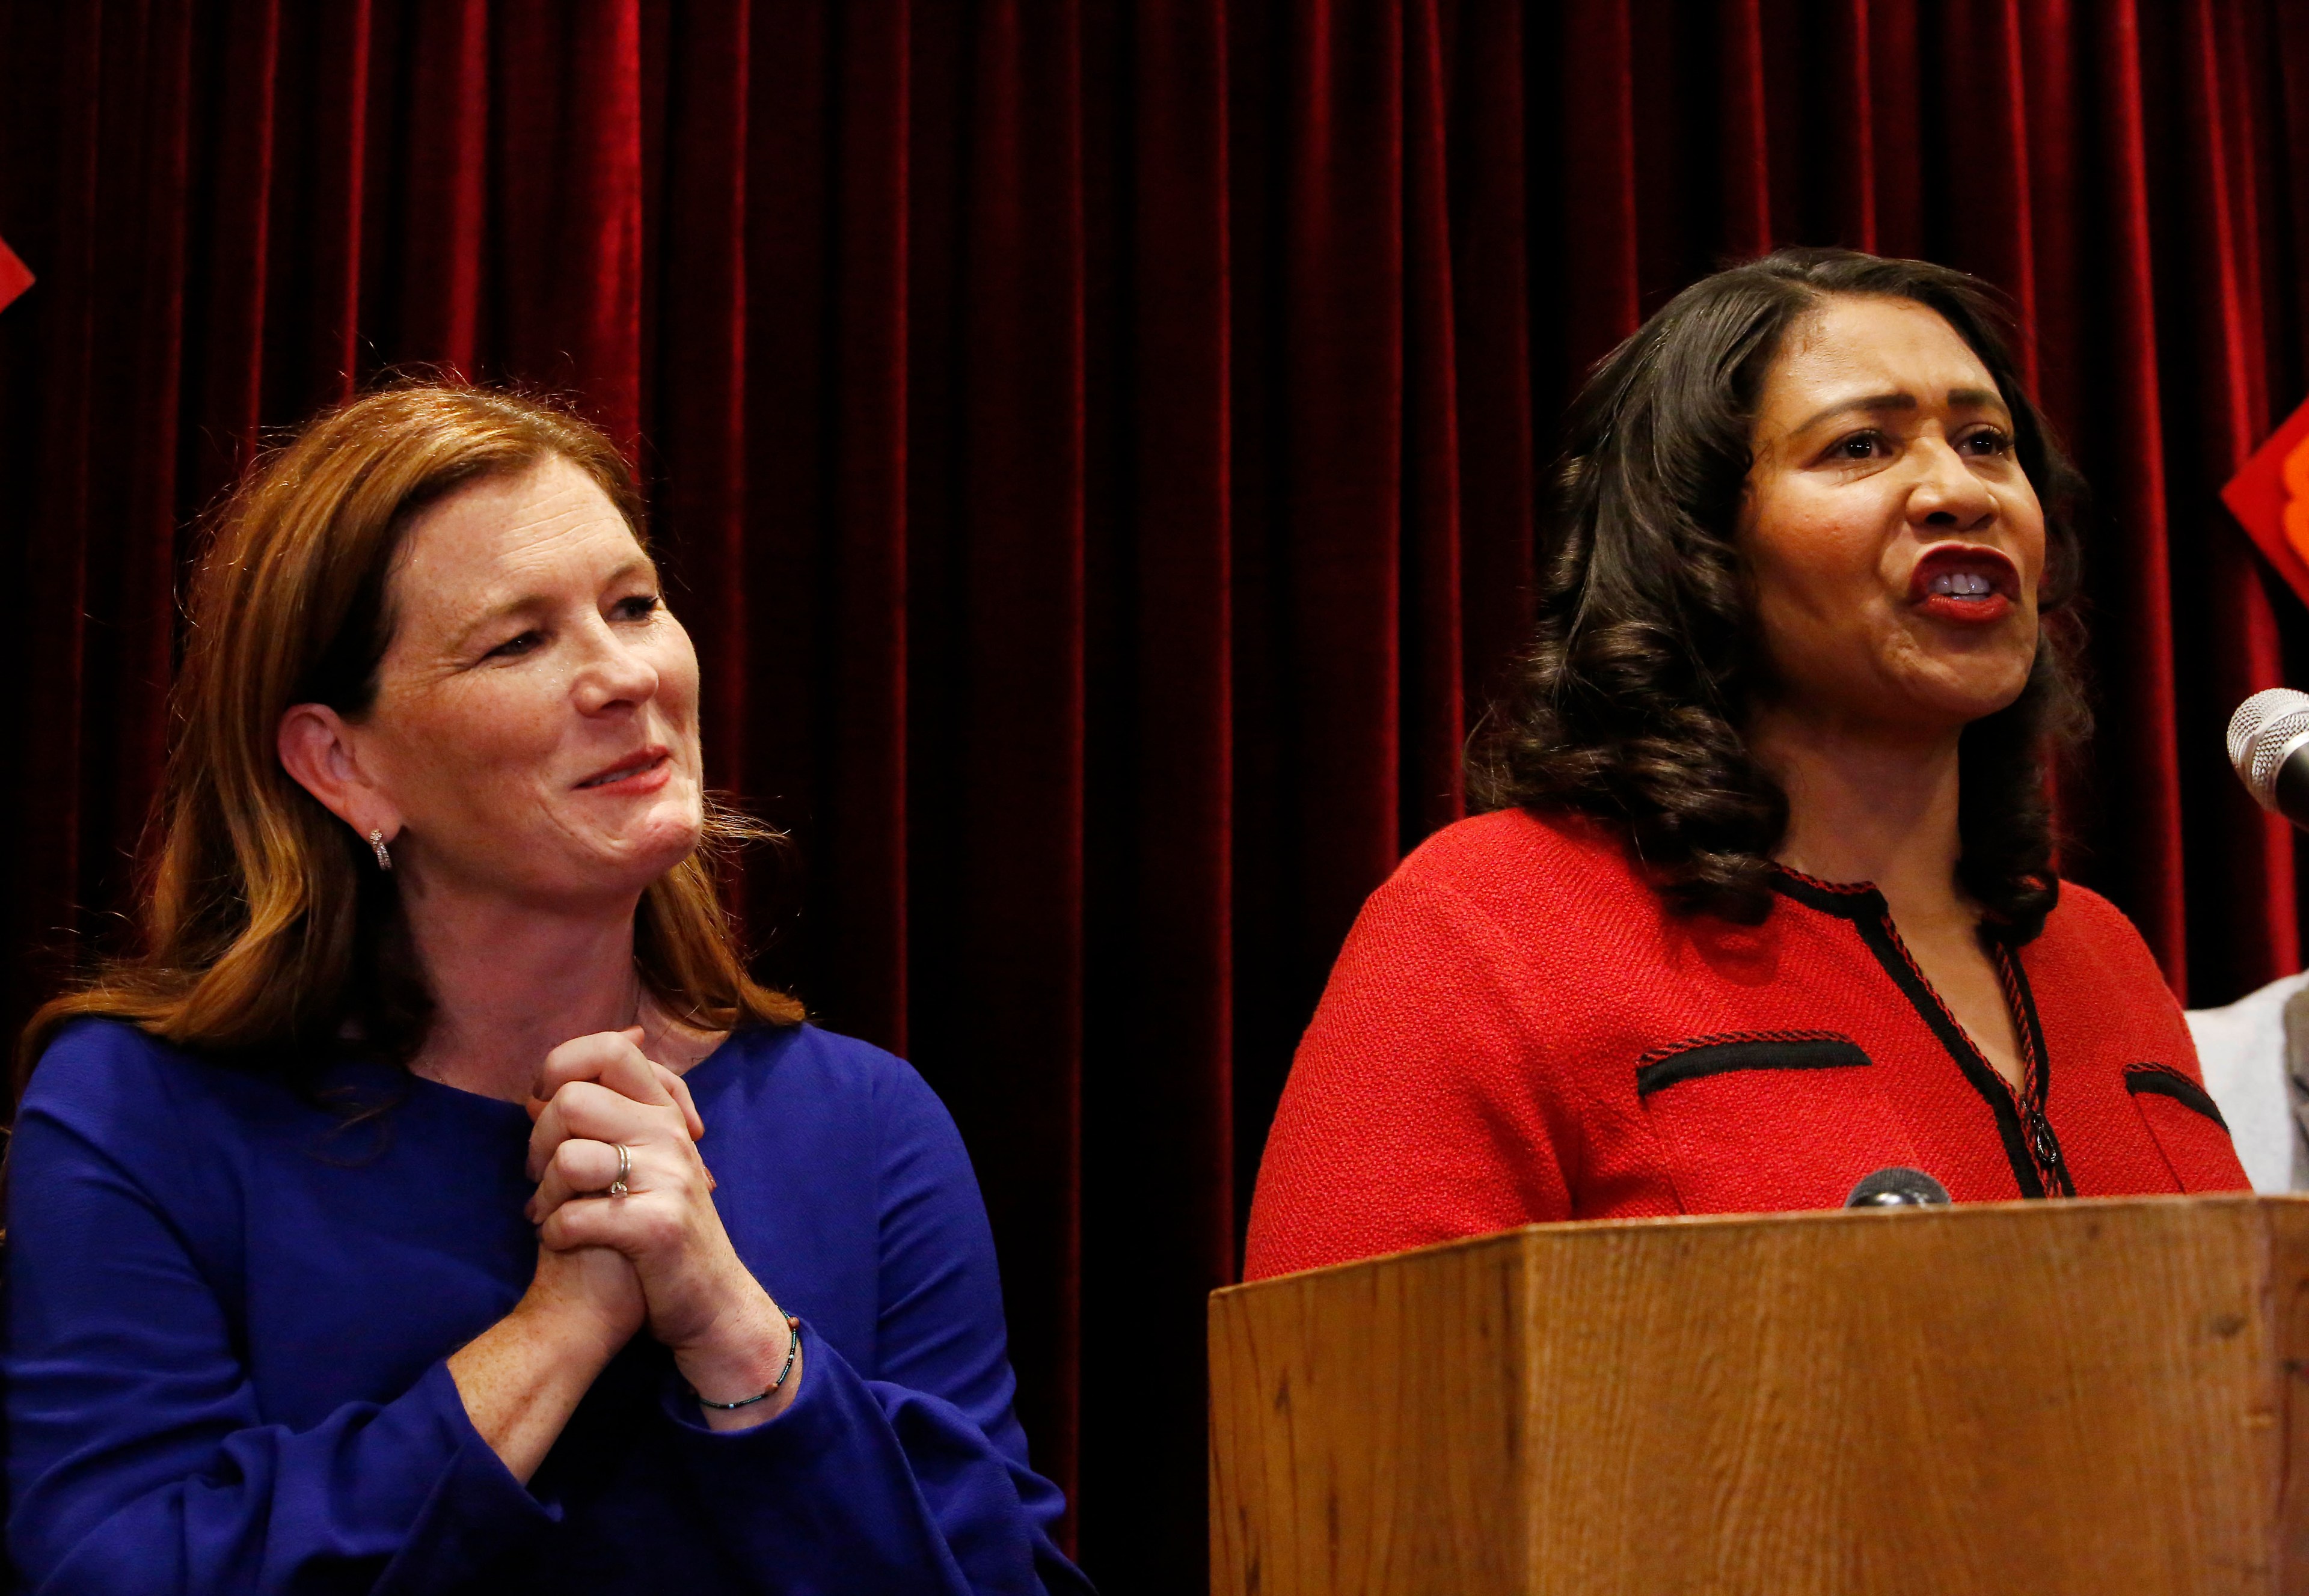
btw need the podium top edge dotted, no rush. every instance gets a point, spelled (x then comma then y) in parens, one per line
(1954, 1213)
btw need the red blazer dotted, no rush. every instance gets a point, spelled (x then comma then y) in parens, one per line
(1518, 1029)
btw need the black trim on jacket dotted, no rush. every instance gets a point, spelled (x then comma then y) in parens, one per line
(1704, 1056)
(1872, 917)
(2164, 1081)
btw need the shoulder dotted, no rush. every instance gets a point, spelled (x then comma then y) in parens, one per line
(2085, 923)
(97, 1049)
(2090, 955)
(99, 1072)
(1527, 876)
(823, 1060)
(1512, 847)
(111, 1104)
(1489, 925)
(838, 1083)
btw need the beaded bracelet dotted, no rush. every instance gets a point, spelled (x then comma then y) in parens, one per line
(793, 1350)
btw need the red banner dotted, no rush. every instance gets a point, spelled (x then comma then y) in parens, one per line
(2270, 496)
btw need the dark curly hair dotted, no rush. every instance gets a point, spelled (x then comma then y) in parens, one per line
(1632, 699)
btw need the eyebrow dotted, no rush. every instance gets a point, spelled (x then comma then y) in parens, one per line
(533, 601)
(1963, 398)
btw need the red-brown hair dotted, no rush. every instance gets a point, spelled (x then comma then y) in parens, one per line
(267, 931)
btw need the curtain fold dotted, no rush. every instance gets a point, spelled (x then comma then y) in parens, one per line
(1098, 450)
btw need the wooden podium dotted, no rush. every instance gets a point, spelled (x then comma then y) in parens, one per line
(2091, 1397)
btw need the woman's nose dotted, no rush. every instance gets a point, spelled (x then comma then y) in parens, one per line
(1949, 494)
(614, 672)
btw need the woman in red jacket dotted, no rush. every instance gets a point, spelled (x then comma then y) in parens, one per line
(1769, 903)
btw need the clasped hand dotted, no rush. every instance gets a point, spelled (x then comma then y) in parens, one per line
(600, 1093)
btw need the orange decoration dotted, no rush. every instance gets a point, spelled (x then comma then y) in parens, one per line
(2296, 477)
(2270, 498)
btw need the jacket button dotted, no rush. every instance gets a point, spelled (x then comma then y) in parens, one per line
(2040, 1133)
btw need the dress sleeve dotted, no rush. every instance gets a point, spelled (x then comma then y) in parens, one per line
(138, 1461)
(916, 1478)
(1416, 1111)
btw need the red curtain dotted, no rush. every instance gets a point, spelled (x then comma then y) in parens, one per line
(1097, 446)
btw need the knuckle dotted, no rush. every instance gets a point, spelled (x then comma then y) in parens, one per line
(589, 1095)
(576, 1223)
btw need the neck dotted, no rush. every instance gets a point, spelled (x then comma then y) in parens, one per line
(511, 982)
(1867, 805)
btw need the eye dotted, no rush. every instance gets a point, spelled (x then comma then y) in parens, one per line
(1987, 441)
(513, 648)
(1870, 445)
(639, 607)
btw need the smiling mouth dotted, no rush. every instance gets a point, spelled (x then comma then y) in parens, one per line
(641, 765)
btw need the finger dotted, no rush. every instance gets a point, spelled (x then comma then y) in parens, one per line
(555, 1124)
(612, 1057)
(678, 1090)
(579, 1168)
(588, 1109)
(637, 1230)
(579, 1222)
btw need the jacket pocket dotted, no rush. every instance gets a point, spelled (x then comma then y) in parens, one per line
(2187, 1126)
(1770, 1121)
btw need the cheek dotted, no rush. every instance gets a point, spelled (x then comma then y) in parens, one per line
(2030, 546)
(475, 738)
(1816, 582)
(677, 675)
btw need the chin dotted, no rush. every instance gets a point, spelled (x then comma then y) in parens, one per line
(660, 847)
(1963, 701)
(1964, 680)
(639, 852)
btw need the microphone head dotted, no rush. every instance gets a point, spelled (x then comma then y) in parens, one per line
(2264, 729)
(1897, 1187)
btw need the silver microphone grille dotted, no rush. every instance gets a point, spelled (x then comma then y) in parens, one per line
(2264, 727)
(2269, 745)
(2251, 715)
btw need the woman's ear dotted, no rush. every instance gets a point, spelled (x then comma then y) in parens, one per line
(316, 749)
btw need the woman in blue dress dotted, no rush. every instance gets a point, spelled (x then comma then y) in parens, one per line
(434, 1203)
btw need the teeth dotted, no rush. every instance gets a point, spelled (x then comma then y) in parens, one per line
(1961, 584)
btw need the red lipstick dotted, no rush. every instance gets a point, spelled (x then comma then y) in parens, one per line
(1967, 583)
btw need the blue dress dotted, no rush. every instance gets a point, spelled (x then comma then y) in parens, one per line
(230, 1308)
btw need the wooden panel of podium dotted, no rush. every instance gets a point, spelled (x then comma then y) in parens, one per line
(2089, 1397)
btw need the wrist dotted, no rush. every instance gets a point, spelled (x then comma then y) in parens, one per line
(745, 1346)
(748, 1371)
(569, 1327)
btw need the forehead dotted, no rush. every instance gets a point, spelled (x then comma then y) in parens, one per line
(503, 537)
(1852, 346)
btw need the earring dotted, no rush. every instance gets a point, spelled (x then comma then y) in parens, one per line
(376, 840)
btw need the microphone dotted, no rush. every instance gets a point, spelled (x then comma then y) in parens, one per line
(1897, 1187)
(2267, 737)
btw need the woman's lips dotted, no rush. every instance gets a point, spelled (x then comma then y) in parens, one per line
(1966, 584)
(646, 771)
